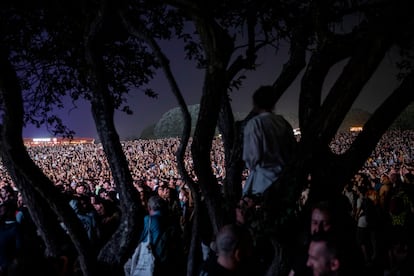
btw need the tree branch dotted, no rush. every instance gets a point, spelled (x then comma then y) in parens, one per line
(349, 84)
(331, 51)
(141, 32)
(377, 125)
(25, 172)
(294, 65)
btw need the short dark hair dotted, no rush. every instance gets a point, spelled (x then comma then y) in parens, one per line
(333, 244)
(263, 98)
(230, 237)
(340, 248)
(156, 203)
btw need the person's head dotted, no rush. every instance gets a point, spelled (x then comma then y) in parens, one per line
(372, 195)
(325, 254)
(153, 183)
(7, 192)
(172, 183)
(104, 207)
(112, 195)
(84, 204)
(321, 218)
(99, 207)
(7, 210)
(394, 177)
(244, 210)
(263, 98)
(332, 215)
(385, 179)
(164, 191)
(155, 204)
(20, 200)
(81, 188)
(184, 195)
(233, 244)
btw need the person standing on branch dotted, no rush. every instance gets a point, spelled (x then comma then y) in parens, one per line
(268, 144)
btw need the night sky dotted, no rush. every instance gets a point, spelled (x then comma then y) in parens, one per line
(148, 110)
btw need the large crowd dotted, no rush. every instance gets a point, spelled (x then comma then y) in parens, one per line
(68, 165)
(82, 172)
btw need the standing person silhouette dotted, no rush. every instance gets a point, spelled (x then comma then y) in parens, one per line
(268, 144)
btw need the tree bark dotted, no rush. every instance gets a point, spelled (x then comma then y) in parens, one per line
(114, 254)
(218, 47)
(30, 178)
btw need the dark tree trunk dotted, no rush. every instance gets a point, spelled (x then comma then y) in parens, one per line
(218, 47)
(114, 254)
(30, 178)
(319, 122)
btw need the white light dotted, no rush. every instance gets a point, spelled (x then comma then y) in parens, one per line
(41, 139)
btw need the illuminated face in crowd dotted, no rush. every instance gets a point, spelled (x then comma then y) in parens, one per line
(164, 192)
(100, 209)
(320, 221)
(80, 189)
(320, 260)
(3, 193)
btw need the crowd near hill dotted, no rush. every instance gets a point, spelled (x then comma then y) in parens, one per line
(82, 172)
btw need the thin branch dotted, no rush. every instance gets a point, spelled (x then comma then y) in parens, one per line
(295, 64)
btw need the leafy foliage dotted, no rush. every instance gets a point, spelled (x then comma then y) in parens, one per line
(53, 67)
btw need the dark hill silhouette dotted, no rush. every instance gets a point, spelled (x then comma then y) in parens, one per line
(171, 124)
